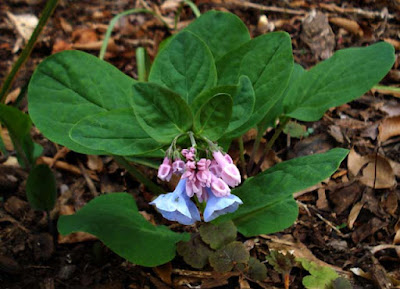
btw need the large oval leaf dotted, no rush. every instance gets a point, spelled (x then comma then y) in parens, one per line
(71, 85)
(221, 31)
(344, 77)
(162, 113)
(185, 66)
(268, 205)
(115, 220)
(268, 61)
(116, 132)
(213, 117)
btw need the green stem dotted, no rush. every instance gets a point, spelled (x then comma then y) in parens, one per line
(242, 161)
(138, 175)
(271, 142)
(260, 132)
(115, 20)
(194, 8)
(389, 88)
(141, 65)
(47, 11)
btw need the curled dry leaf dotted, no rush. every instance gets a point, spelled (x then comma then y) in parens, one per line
(388, 128)
(347, 24)
(374, 171)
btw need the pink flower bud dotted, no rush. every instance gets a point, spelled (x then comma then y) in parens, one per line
(231, 175)
(215, 169)
(178, 166)
(165, 170)
(219, 187)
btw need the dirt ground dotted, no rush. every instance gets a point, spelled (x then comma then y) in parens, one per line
(349, 222)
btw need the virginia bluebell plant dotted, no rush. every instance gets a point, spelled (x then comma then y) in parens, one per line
(208, 179)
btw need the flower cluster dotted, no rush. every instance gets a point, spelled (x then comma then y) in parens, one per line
(207, 179)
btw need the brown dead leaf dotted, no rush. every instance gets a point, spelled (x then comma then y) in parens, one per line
(367, 229)
(336, 132)
(95, 163)
(84, 36)
(345, 196)
(347, 24)
(322, 202)
(388, 128)
(5, 136)
(355, 211)
(374, 171)
(13, 95)
(394, 42)
(390, 203)
(164, 272)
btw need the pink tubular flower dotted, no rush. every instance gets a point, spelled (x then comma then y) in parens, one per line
(215, 169)
(230, 173)
(178, 166)
(165, 170)
(203, 174)
(189, 154)
(219, 187)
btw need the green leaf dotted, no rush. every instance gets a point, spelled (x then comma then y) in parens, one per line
(41, 189)
(221, 31)
(225, 258)
(243, 106)
(19, 125)
(257, 270)
(268, 205)
(277, 110)
(71, 85)
(320, 277)
(115, 132)
(162, 113)
(213, 117)
(345, 76)
(341, 283)
(268, 61)
(218, 235)
(296, 130)
(3, 149)
(194, 252)
(185, 66)
(115, 220)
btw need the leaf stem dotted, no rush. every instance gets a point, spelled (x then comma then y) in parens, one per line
(271, 142)
(26, 52)
(242, 160)
(260, 132)
(138, 175)
(141, 65)
(115, 20)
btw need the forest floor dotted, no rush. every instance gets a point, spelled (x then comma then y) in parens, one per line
(349, 222)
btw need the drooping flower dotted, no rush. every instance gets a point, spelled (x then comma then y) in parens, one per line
(189, 154)
(177, 206)
(165, 170)
(219, 187)
(217, 206)
(230, 173)
(203, 173)
(178, 166)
